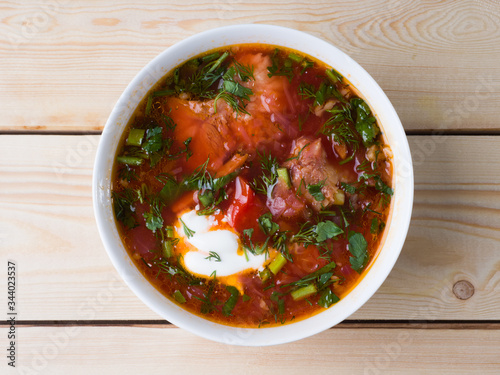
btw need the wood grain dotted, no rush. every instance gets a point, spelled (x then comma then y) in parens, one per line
(129, 350)
(64, 64)
(47, 227)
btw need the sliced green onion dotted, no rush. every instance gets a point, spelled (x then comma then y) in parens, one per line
(168, 248)
(211, 57)
(277, 264)
(169, 231)
(265, 275)
(283, 176)
(163, 93)
(347, 160)
(130, 160)
(149, 104)
(179, 297)
(218, 62)
(176, 76)
(135, 137)
(339, 198)
(333, 75)
(295, 57)
(304, 292)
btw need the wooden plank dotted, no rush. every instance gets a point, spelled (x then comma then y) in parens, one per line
(47, 227)
(64, 64)
(128, 350)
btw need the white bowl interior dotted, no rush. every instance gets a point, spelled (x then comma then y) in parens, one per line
(399, 218)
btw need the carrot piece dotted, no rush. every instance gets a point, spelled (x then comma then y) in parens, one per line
(236, 161)
(186, 200)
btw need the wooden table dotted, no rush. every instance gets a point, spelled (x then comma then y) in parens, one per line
(63, 67)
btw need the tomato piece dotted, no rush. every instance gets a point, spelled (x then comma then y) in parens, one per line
(243, 197)
(245, 208)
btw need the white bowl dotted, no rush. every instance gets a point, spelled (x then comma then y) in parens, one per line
(396, 228)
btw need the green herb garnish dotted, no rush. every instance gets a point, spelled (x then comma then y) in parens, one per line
(153, 142)
(315, 191)
(268, 226)
(154, 220)
(366, 124)
(213, 255)
(188, 232)
(179, 297)
(315, 277)
(232, 92)
(325, 92)
(368, 173)
(122, 204)
(327, 298)
(326, 230)
(280, 66)
(348, 188)
(231, 301)
(265, 184)
(357, 247)
(316, 234)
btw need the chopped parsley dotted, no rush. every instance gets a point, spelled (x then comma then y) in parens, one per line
(326, 230)
(327, 298)
(317, 234)
(268, 226)
(366, 124)
(322, 94)
(231, 301)
(275, 238)
(315, 191)
(250, 246)
(154, 140)
(357, 247)
(210, 189)
(348, 188)
(154, 220)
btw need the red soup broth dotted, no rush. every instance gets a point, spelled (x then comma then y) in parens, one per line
(252, 186)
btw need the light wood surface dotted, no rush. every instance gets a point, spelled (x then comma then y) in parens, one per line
(48, 228)
(64, 64)
(103, 350)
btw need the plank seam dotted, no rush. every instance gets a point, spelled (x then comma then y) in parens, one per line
(348, 324)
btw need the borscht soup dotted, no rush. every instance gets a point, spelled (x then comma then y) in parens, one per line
(252, 186)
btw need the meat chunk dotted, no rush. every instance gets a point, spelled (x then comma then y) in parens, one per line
(210, 133)
(308, 167)
(284, 202)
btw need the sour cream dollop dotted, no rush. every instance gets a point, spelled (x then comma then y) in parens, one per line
(222, 244)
